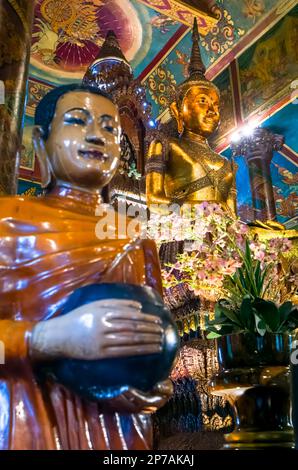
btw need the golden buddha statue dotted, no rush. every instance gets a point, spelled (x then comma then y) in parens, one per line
(49, 249)
(185, 169)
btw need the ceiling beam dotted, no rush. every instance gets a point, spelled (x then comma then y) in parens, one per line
(180, 11)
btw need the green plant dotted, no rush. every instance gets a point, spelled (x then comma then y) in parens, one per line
(248, 307)
(224, 259)
(255, 315)
(258, 276)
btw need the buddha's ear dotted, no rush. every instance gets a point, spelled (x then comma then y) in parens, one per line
(41, 152)
(176, 114)
(174, 110)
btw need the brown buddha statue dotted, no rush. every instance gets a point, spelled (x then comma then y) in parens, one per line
(49, 248)
(185, 169)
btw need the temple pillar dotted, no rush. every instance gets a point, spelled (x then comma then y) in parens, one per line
(258, 151)
(16, 18)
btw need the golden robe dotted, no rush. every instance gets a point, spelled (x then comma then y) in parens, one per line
(49, 248)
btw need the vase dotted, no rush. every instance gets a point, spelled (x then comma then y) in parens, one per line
(254, 376)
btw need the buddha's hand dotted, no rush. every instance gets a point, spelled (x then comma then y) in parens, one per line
(135, 401)
(99, 330)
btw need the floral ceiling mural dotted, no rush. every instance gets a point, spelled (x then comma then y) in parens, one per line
(67, 36)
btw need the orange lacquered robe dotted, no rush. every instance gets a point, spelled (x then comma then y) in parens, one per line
(48, 248)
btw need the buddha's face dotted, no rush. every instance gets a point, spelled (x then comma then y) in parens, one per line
(84, 140)
(200, 110)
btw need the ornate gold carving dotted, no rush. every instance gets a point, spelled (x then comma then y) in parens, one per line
(161, 86)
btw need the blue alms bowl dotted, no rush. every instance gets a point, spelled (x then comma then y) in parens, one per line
(107, 378)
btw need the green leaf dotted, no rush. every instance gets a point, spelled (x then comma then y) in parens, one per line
(218, 321)
(243, 280)
(249, 271)
(196, 321)
(285, 310)
(236, 281)
(263, 279)
(247, 253)
(213, 335)
(258, 278)
(213, 328)
(230, 314)
(268, 312)
(293, 316)
(224, 330)
(219, 311)
(247, 314)
(260, 325)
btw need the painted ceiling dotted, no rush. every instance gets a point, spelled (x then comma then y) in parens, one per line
(248, 46)
(67, 35)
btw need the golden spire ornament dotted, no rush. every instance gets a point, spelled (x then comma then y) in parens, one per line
(196, 66)
(196, 70)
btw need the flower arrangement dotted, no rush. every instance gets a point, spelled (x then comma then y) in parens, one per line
(224, 259)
